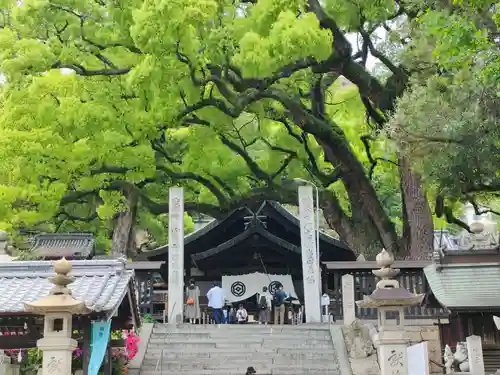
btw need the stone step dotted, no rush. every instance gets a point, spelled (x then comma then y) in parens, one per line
(188, 339)
(236, 327)
(212, 364)
(230, 349)
(320, 352)
(181, 344)
(285, 371)
(240, 328)
(218, 363)
(151, 371)
(229, 333)
(223, 356)
(240, 366)
(245, 339)
(174, 349)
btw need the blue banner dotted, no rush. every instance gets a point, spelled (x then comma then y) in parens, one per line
(98, 345)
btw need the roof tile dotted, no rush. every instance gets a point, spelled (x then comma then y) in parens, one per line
(465, 285)
(70, 245)
(100, 284)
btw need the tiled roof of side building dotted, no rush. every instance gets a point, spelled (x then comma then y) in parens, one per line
(470, 286)
(69, 245)
(100, 284)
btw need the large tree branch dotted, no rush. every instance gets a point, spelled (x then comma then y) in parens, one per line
(221, 198)
(80, 70)
(441, 209)
(397, 70)
(373, 161)
(256, 170)
(286, 194)
(478, 210)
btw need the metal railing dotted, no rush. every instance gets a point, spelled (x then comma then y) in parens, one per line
(159, 363)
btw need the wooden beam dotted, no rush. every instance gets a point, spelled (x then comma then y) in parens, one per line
(245, 270)
(372, 265)
(144, 265)
(107, 363)
(86, 345)
(29, 341)
(18, 342)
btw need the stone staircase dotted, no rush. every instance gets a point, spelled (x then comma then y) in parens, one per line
(231, 349)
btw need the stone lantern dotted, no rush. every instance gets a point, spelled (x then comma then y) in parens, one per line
(58, 309)
(389, 297)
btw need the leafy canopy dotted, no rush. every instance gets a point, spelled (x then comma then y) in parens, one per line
(104, 101)
(452, 110)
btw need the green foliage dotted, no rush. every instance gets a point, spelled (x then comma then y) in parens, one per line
(106, 102)
(452, 111)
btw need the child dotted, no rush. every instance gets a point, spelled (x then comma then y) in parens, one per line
(241, 315)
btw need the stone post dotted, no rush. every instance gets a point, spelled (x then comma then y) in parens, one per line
(58, 309)
(389, 297)
(176, 256)
(475, 354)
(348, 307)
(5, 366)
(312, 282)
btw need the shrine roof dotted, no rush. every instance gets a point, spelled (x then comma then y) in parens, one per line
(57, 245)
(257, 230)
(100, 284)
(471, 286)
(282, 228)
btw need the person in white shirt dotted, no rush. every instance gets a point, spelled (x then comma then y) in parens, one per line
(216, 301)
(241, 315)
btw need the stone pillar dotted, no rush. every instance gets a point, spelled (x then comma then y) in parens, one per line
(348, 307)
(312, 297)
(392, 350)
(58, 309)
(475, 354)
(176, 256)
(5, 366)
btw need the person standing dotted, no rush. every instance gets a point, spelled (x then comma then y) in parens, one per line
(279, 306)
(265, 302)
(216, 301)
(193, 311)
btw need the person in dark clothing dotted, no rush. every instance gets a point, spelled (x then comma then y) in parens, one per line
(279, 306)
(265, 304)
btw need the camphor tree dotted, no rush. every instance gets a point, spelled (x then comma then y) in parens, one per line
(107, 103)
(452, 110)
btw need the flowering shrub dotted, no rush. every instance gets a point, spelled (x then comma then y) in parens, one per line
(120, 357)
(131, 344)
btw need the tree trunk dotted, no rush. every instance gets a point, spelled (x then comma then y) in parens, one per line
(123, 231)
(360, 235)
(362, 194)
(418, 228)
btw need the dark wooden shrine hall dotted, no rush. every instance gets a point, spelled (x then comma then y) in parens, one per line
(264, 238)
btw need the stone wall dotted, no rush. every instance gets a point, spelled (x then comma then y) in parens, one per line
(360, 338)
(429, 333)
(361, 349)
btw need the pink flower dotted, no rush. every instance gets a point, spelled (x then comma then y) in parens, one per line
(77, 352)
